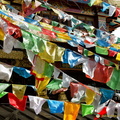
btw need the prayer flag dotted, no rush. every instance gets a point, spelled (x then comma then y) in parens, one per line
(56, 106)
(36, 103)
(17, 103)
(87, 109)
(71, 111)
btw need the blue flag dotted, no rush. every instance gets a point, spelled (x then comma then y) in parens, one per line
(106, 95)
(56, 106)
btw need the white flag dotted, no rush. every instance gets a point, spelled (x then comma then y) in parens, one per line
(112, 10)
(89, 67)
(36, 103)
(5, 71)
(111, 109)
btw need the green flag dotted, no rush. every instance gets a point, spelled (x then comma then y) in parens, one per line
(101, 50)
(3, 86)
(91, 2)
(87, 109)
(33, 27)
(48, 69)
(85, 52)
(114, 82)
(33, 42)
(55, 84)
(3, 94)
(54, 23)
(45, 6)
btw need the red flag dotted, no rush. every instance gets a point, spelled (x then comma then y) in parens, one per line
(112, 53)
(102, 73)
(49, 33)
(117, 12)
(102, 112)
(17, 103)
(13, 29)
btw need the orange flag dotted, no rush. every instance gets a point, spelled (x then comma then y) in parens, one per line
(71, 111)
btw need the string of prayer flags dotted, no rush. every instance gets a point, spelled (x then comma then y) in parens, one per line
(71, 111)
(114, 81)
(106, 95)
(56, 106)
(87, 109)
(36, 103)
(19, 90)
(17, 103)
(55, 84)
(5, 71)
(22, 72)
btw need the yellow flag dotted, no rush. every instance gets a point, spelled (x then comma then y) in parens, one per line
(5, 1)
(18, 90)
(71, 111)
(46, 26)
(18, 1)
(97, 2)
(1, 34)
(90, 95)
(117, 46)
(64, 36)
(41, 85)
(117, 66)
(52, 52)
(118, 57)
(90, 53)
(59, 53)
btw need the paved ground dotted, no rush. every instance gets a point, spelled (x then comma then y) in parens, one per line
(8, 112)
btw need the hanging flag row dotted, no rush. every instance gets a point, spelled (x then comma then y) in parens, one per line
(104, 44)
(95, 103)
(46, 50)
